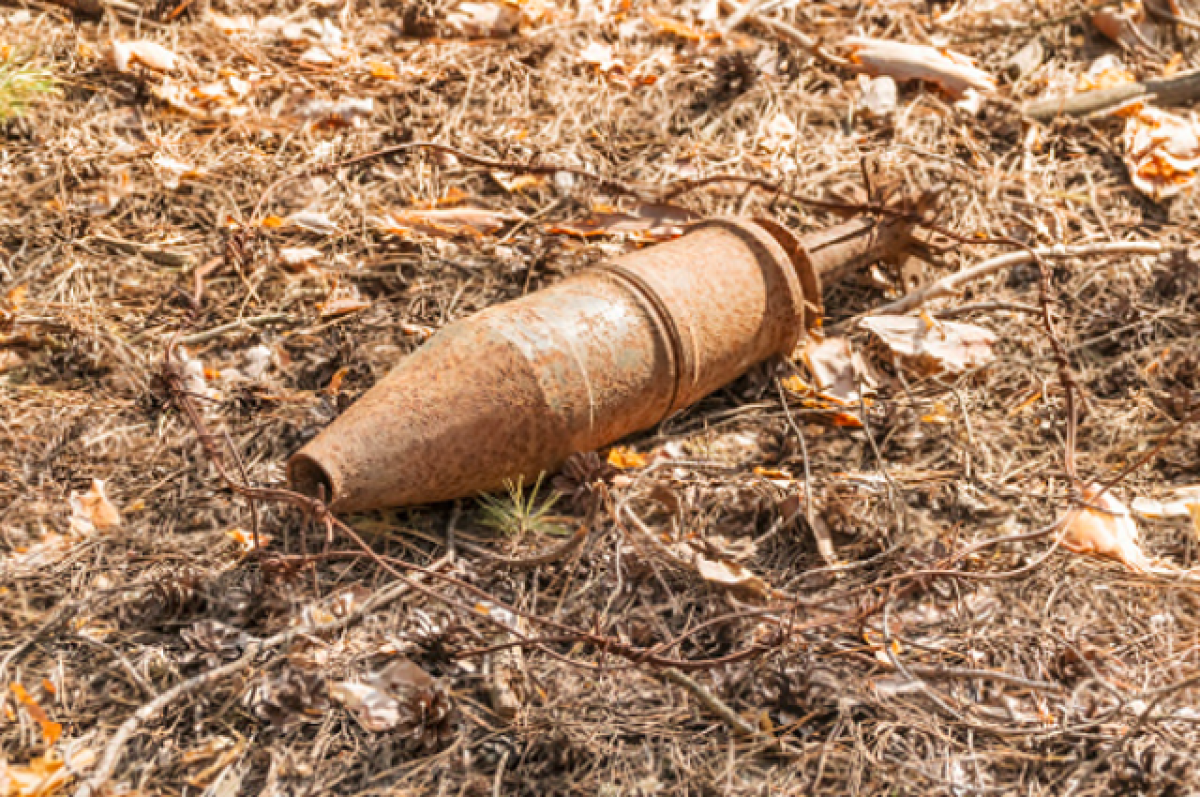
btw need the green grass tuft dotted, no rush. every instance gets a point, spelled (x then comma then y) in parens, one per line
(20, 85)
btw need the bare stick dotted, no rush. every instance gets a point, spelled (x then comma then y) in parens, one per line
(739, 724)
(953, 284)
(1166, 91)
(112, 753)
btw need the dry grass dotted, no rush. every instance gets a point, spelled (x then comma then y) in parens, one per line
(1034, 683)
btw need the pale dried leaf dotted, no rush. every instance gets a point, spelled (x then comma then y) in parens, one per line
(92, 511)
(1162, 151)
(1111, 534)
(934, 345)
(879, 97)
(123, 56)
(296, 258)
(484, 20)
(731, 575)
(231, 25)
(952, 71)
(312, 221)
(837, 370)
(344, 112)
(1175, 504)
(375, 710)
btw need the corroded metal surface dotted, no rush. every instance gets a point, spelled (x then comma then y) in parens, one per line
(512, 391)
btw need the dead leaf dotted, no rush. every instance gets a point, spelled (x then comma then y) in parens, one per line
(647, 222)
(388, 698)
(109, 197)
(1175, 504)
(231, 25)
(44, 776)
(311, 221)
(449, 222)
(123, 56)
(952, 71)
(1105, 72)
(9, 360)
(343, 301)
(838, 370)
(1162, 151)
(1111, 534)
(934, 345)
(297, 258)
(174, 171)
(245, 539)
(674, 27)
(625, 458)
(731, 575)
(601, 56)
(1127, 25)
(484, 20)
(51, 731)
(345, 112)
(92, 511)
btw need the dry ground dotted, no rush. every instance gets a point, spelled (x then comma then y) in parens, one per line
(1031, 671)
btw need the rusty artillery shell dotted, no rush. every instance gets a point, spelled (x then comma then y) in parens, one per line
(515, 389)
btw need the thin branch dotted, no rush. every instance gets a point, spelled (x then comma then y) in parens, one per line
(953, 284)
(96, 784)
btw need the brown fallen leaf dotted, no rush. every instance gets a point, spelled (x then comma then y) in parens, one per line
(92, 511)
(449, 222)
(343, 301)
(646, 222)
(401, 696)
(1127, 25)
(1111, 534)
(123, 56)
(934, 345)
(952, 71)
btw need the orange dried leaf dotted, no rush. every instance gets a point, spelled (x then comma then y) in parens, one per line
(16, 297)
(93, 511)
(1109, 534)
(51, 731)
(273, 222)
(335, 381)
(674, 27)
(449, 222)
(381, 70)
(246, 541)
(624, 458)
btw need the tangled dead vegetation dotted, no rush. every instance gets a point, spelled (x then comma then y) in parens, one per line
(949, 549)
